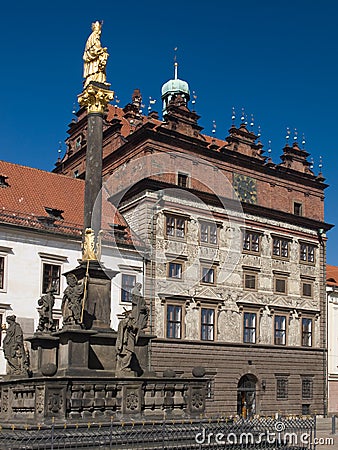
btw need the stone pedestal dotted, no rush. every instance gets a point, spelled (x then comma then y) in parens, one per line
(73, 354)
(43, 355)
(97, 306)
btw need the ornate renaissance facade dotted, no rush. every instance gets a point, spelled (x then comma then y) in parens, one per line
(236, 267)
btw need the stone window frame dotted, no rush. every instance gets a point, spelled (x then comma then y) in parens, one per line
(251, 233)
(280, 239)
(306, 336)
(275, 330)
(175, 216)
(4, 252)
(307, 246)
(280, 276)
(56, 261)
(213, 325)
(173, 304)
(307, 387)
(254, 313)
(282, 386)
(177, 262)
(296, 204)
(186, 178)
(211, 269)
(309, 282)
(209, 223)
(251, 271)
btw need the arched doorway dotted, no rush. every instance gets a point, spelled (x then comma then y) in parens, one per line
(246, 396)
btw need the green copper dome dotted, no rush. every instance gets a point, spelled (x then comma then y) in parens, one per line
(175, 86)
(172, 88)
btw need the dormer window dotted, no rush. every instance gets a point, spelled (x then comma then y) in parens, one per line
(54, 213)
(3, 181)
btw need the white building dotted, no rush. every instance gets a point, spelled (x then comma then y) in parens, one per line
(332, 331)
(40, 239)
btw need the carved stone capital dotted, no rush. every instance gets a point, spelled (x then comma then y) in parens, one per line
(95, 98)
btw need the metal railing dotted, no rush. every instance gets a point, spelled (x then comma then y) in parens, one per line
(214, 433)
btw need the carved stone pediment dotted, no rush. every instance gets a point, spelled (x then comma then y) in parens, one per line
(207, 292)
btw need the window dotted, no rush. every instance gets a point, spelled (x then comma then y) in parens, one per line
(280, 330)
(280, 285)
(208, 275)
(175, 270)
(297, 209)
(51, 278)
(251, 242)
(127, 284)
(208, 232)
(175, 226)
(76, 174)
(306, 332)
(78, 142)
(307, 253)
(2, 272)
(249, 328)
(280, 248)
(174, 321)
(207, 324)
(305, 410)
(307, 289)
(282, 388)
(182, 180)
(250, 281)
(307, 388)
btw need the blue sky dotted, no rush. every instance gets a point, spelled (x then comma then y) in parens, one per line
(278, 60)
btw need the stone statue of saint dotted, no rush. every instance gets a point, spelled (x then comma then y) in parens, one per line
(14, 350)
(129, 329)
(95, 57)
(72, 301)
(46, 303)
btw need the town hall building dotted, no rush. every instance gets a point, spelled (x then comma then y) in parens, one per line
(235, 266)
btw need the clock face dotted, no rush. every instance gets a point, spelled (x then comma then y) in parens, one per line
(245, 188)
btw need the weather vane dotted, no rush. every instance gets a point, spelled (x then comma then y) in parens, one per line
(194, 96)
(320, 165)
(233, 115)
(269, 148)
(252, 122)
(303, 141)
(214, 126)
(243, 115)
(59, 151)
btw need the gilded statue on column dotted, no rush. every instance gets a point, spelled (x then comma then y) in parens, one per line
(95, 57)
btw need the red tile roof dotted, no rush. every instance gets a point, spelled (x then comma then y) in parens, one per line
(30, 191)
(331, 275)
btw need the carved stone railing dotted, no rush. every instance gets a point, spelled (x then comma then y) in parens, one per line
(44, 399)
